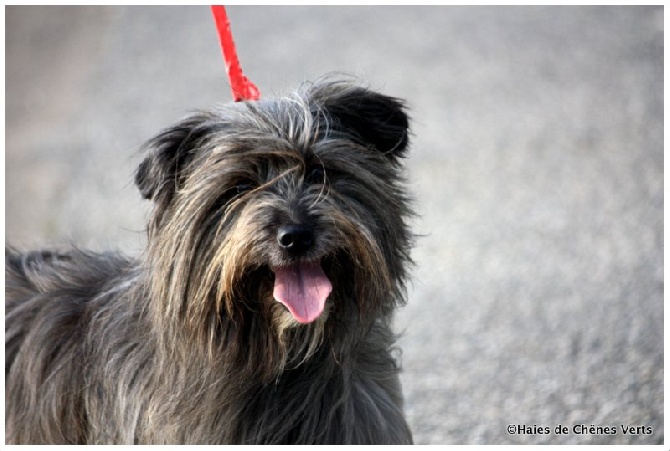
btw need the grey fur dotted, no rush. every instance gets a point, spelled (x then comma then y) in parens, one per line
(186, 345)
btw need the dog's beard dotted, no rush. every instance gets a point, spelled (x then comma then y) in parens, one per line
(227, 277)
(343, 321)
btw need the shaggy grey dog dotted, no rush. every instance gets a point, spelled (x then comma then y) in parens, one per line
(260, 313)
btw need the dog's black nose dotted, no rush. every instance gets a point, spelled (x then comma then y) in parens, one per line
(295, 238)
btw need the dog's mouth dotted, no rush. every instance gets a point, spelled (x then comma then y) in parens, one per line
(302, 288)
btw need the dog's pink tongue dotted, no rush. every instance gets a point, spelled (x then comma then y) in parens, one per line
(303, 289)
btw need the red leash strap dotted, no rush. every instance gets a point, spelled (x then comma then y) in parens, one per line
(242, 87)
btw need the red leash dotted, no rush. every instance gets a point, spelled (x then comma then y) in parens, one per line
(242, 87)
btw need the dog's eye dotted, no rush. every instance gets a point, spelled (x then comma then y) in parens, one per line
(243, 188)
(234, 192)
(316, 174)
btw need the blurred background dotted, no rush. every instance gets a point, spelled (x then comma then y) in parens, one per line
(536, 167)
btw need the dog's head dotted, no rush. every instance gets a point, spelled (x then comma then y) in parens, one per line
(291, 209)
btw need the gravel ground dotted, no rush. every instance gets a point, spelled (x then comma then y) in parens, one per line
(537, 168)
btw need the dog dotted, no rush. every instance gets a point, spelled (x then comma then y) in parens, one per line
(278, 249)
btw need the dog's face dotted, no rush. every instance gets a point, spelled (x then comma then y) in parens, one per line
(292, 209)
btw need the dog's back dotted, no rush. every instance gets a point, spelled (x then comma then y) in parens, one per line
(46, 315)
(26, 281)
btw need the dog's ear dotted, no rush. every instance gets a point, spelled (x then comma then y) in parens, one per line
(376, 119)
(164, 168)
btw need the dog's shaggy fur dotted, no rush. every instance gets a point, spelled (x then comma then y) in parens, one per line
(189, 344)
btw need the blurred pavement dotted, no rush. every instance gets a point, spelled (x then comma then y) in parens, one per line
(536, 164)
